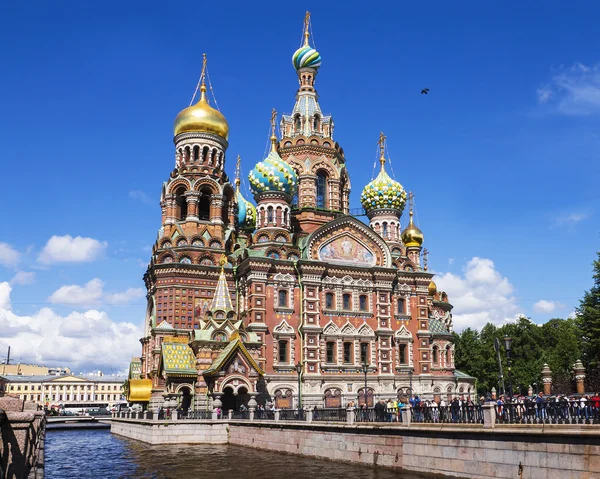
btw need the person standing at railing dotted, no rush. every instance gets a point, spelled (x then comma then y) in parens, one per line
(541, 407)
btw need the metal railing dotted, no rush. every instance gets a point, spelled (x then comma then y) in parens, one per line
(202, 414)
(330, 414)
(547, 412)
(464, 414)
(292, 415)
(264, 414)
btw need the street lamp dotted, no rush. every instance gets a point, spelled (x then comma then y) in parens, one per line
(365, 370)
(299, 371)
(507, 346)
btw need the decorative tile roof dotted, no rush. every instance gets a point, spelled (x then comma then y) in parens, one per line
(436, 326)
(135, 368)
(221, 300)
(178, 359)
(236, 344)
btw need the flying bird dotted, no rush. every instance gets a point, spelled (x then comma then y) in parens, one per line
(424, 91)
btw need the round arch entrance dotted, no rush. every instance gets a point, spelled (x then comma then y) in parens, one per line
(233, 400)
(186, 398)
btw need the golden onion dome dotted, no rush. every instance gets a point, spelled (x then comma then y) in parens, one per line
(432, 288)
(412, 235)
(201, 117)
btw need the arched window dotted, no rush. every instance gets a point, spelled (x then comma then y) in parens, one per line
(285, 217)
(401, 306)
(270, 214)
(448, 356)
(297, 123)
(321, 190)
(204, 205)
(283, 351)
(385, 230)
(181, 203)
(362, 302)
(283, 298)
(435, 356)
(196, 153)
(346, 301)
(317, 123)
(204, 154)
(402, 354)
(329, 303)
(187, 153)
(364, 353)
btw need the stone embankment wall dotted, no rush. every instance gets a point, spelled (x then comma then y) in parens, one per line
(469, 451)
(172, 432)
(22, 430)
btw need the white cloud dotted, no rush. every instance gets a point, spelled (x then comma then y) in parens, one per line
(544, 306)
(82, 341)
(573, 315)
(450, 261)
(86, 295)
(23, 277)
(92, 294)
(571, 219)
(66, 249)
(482, 295)
(8, 255)
(140, 196)
(573, 91)
(125, 297)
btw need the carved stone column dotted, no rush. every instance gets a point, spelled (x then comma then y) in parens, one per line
(547, 379)
(579, 376)
(216, 209)
(192, 198)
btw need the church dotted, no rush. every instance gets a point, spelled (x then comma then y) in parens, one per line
(289, 299)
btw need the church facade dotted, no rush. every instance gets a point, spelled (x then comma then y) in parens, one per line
(292, 299)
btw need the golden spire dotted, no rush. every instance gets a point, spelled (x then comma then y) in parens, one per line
(306, 34)
(222, 261)
(425, 259)
(412, 235)
(381, 144)
(202, 80)
(273, 136)
(410, 207)
(237, 174)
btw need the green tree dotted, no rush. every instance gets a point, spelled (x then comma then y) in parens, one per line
(588, 318)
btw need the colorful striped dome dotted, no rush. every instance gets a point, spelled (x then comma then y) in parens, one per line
(383, 193)
(306, 57)
(273, 174)
(246, 212)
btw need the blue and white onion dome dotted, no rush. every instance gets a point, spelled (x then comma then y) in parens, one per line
(383, 193)
(306, 57)
(273, 174)
(246, 212)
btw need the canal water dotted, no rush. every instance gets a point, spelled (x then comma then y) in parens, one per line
(98, 454)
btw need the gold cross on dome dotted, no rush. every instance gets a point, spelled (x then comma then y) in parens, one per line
(273, 117)
(203, 74)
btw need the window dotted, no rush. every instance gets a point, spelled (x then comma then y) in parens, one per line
(329, 301)
(347, 304)
(435, 356)
(321, 189)
(283, 298)
(362, 302)
(402, 354)
(385, 230)
(348, 353)
(283, 351)
(270, 214)
(401, 306)
(364, 353)
(204, 205)
(181, 203)
(331, 352)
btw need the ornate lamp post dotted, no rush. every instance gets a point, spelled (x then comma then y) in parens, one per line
(507, 346)
(299, 371)
(365, 369)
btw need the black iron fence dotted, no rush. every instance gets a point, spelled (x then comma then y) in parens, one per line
(465, 414)
(203, 414)
(547, 412)
(264, 414)
(292, 415)
(330, 414)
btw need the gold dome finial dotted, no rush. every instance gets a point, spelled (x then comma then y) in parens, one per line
(432, 288)
(222, 261)
(237, 174)
(381, 144)
(306, 22)
(412, 235)
(201, 117)
(273, 136)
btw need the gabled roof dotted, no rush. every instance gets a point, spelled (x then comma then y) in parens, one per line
(178, 359)
(221, 300)
(221, 360)
(164, 326)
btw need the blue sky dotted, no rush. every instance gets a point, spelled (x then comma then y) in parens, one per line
(502, 155)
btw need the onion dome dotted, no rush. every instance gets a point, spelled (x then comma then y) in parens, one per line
(201, 117)
(432, 288)
(306, 57)
(273, 174)
(412, 235)
(246, 212)
(383, 192)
